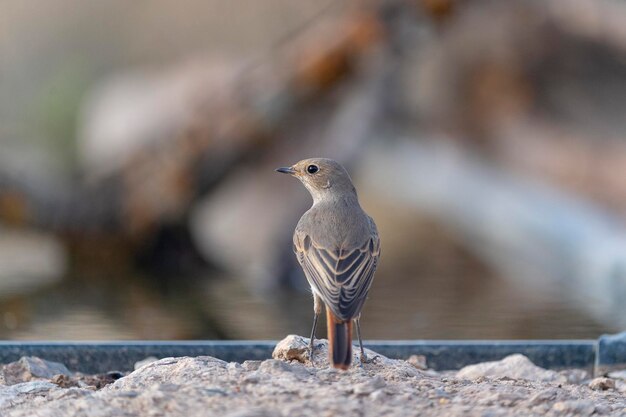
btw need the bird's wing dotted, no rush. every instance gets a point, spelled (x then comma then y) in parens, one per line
(341, 277)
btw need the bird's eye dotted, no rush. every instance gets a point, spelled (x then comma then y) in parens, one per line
(312, 169)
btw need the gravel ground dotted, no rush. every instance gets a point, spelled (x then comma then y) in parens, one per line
(289, 385)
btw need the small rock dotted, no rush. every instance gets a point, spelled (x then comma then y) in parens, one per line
(575, 376)
(276, 367)
(603, 409)
(508, 399)
(82, 384)
(378, 395)
(328, 374)
(29, 368)
(541, 409)
(618, 374)
(63, 381)
(493, 413)
(251, 365)
(252, 378)
(214, 391)
(418, 361)
(602, 384)
(253, 413)
(292, 347)
(33, 387)
(543, 396)
(370, 386)
(145, 362)
(438, 393)
(378, 382)
(167, 387)
(24, 392)
(128, 394)
(69, 393)
(273, 366)
(295, 347)
(514, 366)
(574, 407)
(233, 366)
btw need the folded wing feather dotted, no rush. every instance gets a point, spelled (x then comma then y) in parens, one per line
(341, 277)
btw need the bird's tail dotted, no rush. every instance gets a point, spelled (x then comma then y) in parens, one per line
(339, 341)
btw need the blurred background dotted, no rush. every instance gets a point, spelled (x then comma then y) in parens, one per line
(138, 142)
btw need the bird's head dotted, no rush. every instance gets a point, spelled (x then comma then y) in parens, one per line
(322, 177)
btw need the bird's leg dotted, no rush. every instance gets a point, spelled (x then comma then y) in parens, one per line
(317, 309)
(357, 321)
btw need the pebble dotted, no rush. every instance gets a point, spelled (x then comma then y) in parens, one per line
(602, 384)
(418, 361)
(33, 387)
(378, 394)
(252, 378)
(251, 365)
(370, 386)
(233, 366)
(618, 374)
(575, 407)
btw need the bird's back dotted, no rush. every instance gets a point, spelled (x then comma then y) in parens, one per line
(337, 244)
(336, 224)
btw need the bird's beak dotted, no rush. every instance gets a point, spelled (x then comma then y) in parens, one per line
(286, 170)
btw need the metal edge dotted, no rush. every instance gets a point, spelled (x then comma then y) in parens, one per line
(104, 356)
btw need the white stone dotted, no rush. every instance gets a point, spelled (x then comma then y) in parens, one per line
(514, 366)
(602, 384)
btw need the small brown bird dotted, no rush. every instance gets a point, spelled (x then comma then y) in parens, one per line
(337, 245)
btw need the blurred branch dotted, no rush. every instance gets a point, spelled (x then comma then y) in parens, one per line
(536, 86)
(158, 184)
(532, 233)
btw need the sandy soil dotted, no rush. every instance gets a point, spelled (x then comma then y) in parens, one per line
(290, 385)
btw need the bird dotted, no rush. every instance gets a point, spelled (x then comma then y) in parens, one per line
(338, 247)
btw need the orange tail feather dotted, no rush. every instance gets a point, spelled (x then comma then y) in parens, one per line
(339, 341)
